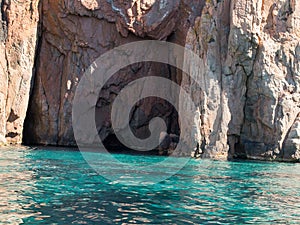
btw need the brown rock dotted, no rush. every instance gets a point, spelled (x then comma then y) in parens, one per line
(18, 38)
(252, 49)
(247, 95)
(77, 33)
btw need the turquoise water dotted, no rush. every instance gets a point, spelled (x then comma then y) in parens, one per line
(59, 187)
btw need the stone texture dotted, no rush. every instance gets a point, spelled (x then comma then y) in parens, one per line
(247, 96)
(168, 143)
(18, 38)
(74, 34)
(252, 49)
(209, 39)
(272, 103)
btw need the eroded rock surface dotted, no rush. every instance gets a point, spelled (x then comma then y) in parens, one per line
(18, 38)
(251, 49)
(74, 34)
(246, 93)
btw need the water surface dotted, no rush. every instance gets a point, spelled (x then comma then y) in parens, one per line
(59, 187)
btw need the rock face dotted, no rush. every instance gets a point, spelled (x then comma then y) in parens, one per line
(74, 34)
(250, 100)
(18, 38)
(168, 143)
(247, 93)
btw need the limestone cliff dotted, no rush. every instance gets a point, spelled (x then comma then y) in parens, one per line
(248, 103)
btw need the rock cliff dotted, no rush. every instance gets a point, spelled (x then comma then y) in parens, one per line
(74, 34)
(252, 49)
(248, 103)
(18, 39)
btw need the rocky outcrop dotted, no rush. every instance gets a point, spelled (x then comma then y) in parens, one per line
(74, 34)
(18, 38)
(272, 104)
(252, 49)
(247, 94)
(168, 143)
(209, 38)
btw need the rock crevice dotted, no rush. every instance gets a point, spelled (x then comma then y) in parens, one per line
(247, 101)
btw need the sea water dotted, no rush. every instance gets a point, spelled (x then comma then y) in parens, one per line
(60, 187)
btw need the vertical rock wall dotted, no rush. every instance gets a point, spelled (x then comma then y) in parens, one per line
(272, 106)
(209, 39)
(74, 34)
(251, 51)
(18, 38)
(247, 98)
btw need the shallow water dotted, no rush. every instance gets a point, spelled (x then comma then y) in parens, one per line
(59, 187)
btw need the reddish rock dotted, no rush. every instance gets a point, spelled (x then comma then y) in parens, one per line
(18, 38)
(247, 96)
(74, 34)
(252, 49)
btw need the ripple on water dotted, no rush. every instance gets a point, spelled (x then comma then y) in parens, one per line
(59, 187)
